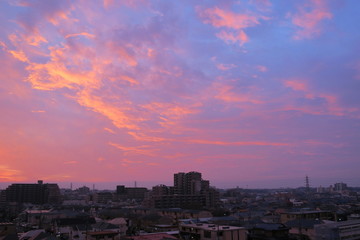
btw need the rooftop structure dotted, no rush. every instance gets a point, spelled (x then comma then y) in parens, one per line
(202, 231)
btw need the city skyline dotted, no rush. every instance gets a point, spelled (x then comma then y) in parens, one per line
(248, 93)
(293, 184)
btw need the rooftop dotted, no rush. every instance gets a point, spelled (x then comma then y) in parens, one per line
(211, 227)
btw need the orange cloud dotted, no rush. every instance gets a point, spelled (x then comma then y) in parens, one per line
(34, 39)
(8, 175)
(71, 162)
(309, 17)
(38, 111)
(20, 55)
(26, 42)
(55, 75)
(109, 130)
(170, 111)
(143, 137)
(118, 116)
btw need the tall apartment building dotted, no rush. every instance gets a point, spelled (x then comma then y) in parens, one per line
(339, 187)
(40, 193)
(190, 191)
(189, 183)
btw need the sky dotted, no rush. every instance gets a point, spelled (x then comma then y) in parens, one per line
(251, 93)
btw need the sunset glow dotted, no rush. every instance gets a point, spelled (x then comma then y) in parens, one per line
(249, 93)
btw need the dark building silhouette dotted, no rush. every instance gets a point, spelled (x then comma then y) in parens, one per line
(40, 193)
(187, 183)
(137, 193)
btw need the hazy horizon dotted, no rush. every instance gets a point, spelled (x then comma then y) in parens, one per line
(277, 184)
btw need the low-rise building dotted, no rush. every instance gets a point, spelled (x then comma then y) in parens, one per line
(349, 230)
(303, 228)
(202, 231)
(322, 215)
(268, 231)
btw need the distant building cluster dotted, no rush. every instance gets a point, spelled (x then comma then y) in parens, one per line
(337, 187)
(190, 209)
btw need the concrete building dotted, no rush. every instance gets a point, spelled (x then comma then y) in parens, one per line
(268, 231)
(349, 230)
(189, 183)
(340, 187)
(190, 191)
(178, 201)
(303, 228)
(40, 193)
(103, 197)
(201, 231)
(322, 215)
(136, 193)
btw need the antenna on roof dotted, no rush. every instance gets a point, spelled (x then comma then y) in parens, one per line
(307, 183)
(135, 184)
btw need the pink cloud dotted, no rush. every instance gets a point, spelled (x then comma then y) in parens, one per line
(297, 85)
(309, 17)
(225, 67)
(38, 111)
(232, 23)
(71, 162)
(223, 18)
(141, 136)
(230, 37)
(226, 93)
(85, 34)
(109, 130)
(330, 106)
(244, 143)
(138, 150)
(261, 68)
